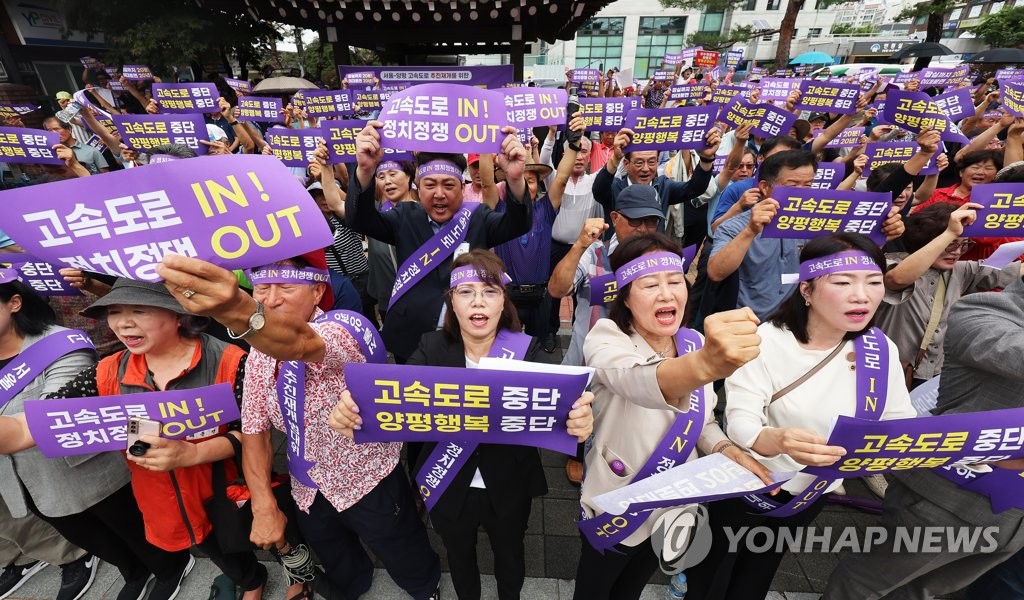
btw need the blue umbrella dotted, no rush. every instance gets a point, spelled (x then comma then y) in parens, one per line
(812, 58)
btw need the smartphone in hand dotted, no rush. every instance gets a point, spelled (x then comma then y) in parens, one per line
(139, 426)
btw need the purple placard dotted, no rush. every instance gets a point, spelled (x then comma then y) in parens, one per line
(724, 94)
(585, 75)
(776, 88)
(136, 72)
(443, 117)
(298, 99)
(882, 153)
(847, 138)
(829, 175)
(370, 100)
(236, 211)
(44, 279)
(362, 79)
(532, 107)
(95, 142)
(673, 59)
(914, 110)
(664, 75)
(828, 96)
(807, 213)
(1011, 94)
(1003, 215)
(16, 110)
(719, 164)
(330, 103)
(768, 120)
(71, 426)
(665, 128)
(489, 77)
(607, 114)
(957, 104)
(937, 77)
(439, 404)
(905, 78)
(90, 63)
(691, 52)
(186, 97)
(142, 132)
(1009, 74)
(115, 79)
(340, 137)
(785, 73)
(295, 147)
(691, 91)
(239, 85)
(260, 109)
(733, 58)
(923, 442)
(22, 145)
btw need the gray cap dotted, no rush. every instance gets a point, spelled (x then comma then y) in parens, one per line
(141, 293)
(638, 201)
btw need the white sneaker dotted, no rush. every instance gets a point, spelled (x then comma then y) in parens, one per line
(167, 589)
(876, 483)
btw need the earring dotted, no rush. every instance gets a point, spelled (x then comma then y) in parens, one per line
(807, 302)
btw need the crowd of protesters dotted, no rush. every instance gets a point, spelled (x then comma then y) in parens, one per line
(757, 343)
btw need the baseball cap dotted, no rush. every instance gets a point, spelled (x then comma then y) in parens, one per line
(64, 96)
(472, 159)
(638, 201)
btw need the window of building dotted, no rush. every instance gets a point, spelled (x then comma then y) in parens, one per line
(995, 7)
(921, 20)
(656, 37)
(820, 4)
(974, 11)
(750, 5)
(599, 42)
(814, 32)
(773, 5)
(769, 37)
(711, 22)
(796, 33)
(955, 13)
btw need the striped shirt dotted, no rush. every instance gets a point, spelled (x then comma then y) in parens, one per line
(346, 254)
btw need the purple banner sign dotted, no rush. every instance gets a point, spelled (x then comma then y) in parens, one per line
(142, 132)
(957, 104)
(136, 72)
(1011, 94)
(847, 138)
(115, 79)
(585, 75)
(828, 96)
(607, 114)
(665, 75)
(673, 59)
(924, 442)
(340, 137)
(776, 88)
(691, 52)
(691, 91)
(44, 279)
(370, 100)
(259, 109)
(785, 73)
(829, 175)
(186, 97)
(915, 110)
(239, 85)
(363, 79)
(734, 58)
(89, 62)
(330, 103)
(1009, 74)
(882, 153)
(440, 117)
(489, 77)
(295, 147)
(533, 107)
(16, 110)
(95, 142)
(937, 77)
(768, 120)
(667, 128)
(71, 426)
(21, 145)
(438, 404)
(235, 211)
(807, 213)
(724, 94)
(1003, 215)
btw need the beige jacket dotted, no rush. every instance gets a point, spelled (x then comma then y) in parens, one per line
(631, 415)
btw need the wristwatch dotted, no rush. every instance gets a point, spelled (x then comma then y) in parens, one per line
(706, 160)
(256, 322)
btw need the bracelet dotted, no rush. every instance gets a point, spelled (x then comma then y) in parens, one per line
(232, 123)
(722, 446)
(574, 147)
(707, 160)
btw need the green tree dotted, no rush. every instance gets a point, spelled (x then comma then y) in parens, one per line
(171, 32)
(935, 10)
(717, 42)
(1001, 29)
(785, 30)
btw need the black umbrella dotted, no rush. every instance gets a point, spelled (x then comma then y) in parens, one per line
(999, 55)
(922, 49)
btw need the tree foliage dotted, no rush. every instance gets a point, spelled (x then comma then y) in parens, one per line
(1002, 29)
(170, 32)
(717, 42)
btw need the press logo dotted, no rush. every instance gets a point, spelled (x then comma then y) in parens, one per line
(682, 539)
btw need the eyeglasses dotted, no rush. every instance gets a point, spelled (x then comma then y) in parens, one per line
(648, 222)
(961, 245)
(467, 294)
(746, 166)
(639, 164)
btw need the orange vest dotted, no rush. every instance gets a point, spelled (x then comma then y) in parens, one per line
(172, 502)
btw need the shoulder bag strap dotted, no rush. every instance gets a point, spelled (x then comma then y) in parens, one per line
(789, 388)
(933, 320)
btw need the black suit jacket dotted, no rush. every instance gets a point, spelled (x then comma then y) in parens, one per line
(407, 227)
(508, 471)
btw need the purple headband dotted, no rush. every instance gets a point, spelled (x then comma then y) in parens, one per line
(439, 167)
(390, 165)
(852, 260)
(647, 264)
(469, 274)
(287, 274)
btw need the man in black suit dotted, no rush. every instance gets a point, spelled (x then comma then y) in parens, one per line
(409, 225)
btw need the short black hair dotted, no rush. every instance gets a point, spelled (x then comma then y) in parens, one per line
(980, 156)
(35, 316)
(790, 159)
(792, 313)
(880, 174)
(628, 250)
(926, 224)
(774, 142)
